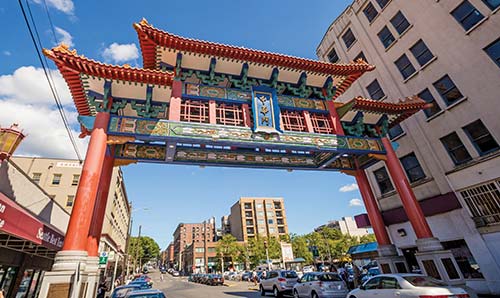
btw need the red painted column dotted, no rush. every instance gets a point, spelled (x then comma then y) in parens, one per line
(174, 110)
(410, 204)
(100, 207)
(372, 209)
(81, 216)
(212, 112)
(337, 125)
(307, 120)
(247, 115)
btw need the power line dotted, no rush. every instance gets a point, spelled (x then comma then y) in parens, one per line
(48, 76)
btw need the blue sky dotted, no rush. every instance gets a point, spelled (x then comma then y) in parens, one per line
(102, 30)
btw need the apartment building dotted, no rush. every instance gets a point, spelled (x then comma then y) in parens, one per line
(448, 53)
(59, 178)
(186, 234)
(346, 225)
(200, 257)
(258, 216)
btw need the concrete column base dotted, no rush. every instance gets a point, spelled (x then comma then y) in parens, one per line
(389, 261)
(67, 278)
(92, 271)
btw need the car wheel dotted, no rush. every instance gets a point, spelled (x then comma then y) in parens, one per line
(276, 292)
(352, 296)
(295, 294)
(262, 292)
(314, 295)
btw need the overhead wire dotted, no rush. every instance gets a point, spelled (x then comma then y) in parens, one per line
(47, 73)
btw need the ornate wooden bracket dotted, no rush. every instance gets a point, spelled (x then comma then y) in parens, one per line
(124, 162)
(118, 140)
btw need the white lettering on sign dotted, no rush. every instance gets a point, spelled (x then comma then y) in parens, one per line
(50, 238)
(2, 223)
(65, 164)
(2, 208)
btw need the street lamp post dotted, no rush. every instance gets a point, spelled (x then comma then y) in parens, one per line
(9, 140)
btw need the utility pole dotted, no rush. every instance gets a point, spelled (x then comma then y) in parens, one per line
(136, 248)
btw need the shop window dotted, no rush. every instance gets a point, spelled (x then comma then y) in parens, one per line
(427, 96)
(455, 148)
(483, 202)
(26, 283)
(383, 180)
(7, 279)
(386, 37)
(400, 22)
(194, 111)
(293, 121)
(229, 114)
(348, 38)
(448, 91)
(321, 123)
(412, 167)
(36, 177)
(404, 66)
(492, 4)
(56, 179)
(382, 3)
(395, 131)
(76, 179)
(421, 52)
(70, 201)
(493, 50)
(370, 12)
(431, 269)
(464, 258)
(400, 267)
(332, 56)
(467, 15)
(450, 268)
(375, 90)
(385, 268)
(481, 137)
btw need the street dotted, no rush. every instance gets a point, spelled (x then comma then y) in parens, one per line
(179, 287)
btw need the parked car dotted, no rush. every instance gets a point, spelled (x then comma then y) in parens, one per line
(143, 284)
(214, 279)
(320, 285)
(152, 293)
(308, 269)
(406, 285)
(121, 291)
(278, 282)
(175, 273)
(246, 276)
(373, 271)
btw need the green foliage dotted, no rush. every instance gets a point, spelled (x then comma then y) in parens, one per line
(257, 249)
(144, 248)
(228, 247)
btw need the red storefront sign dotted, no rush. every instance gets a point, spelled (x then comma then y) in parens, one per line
(18, 222)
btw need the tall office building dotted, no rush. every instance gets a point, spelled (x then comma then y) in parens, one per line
(448, 53)
(258, 216)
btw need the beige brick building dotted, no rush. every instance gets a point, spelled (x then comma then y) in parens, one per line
(258, 216)
(448, 53)
(60, 177)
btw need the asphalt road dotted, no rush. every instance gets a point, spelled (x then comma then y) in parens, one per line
(179, 287)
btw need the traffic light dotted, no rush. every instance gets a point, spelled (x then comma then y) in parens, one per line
(314, 250)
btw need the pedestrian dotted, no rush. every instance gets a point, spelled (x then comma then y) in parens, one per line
(254, 277)
(161, 275)
(264, 274)
(101, 291)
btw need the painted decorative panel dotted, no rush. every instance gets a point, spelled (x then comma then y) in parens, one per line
(265, 108)
(141, 151)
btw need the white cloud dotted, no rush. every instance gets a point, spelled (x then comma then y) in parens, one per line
(66, 6)
(121, 52)
(7, 53)
(63, 36)
(349, 187)
(355, 203)
(28, 85)
(25, 99)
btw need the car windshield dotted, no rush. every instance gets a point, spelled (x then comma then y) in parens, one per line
(329, 277)
(374, 271)
(289, 274)
(423, 281)
(122, 292)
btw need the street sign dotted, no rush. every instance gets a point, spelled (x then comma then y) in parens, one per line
(286, 252)
(103, 258)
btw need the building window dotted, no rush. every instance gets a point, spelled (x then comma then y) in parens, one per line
(70, 201)
(293, 121)
(194, 111)
(56, 179)
(332, 56)
(465, 260)
(348, 38)
(382, 3)
(227, 114)
(383, 181)
(386, 37)
(467, 15)
(421, 52)
(483, 202)
(248, 205)
(492, 4)
(370, 12)
(400, 23)
(76, 179)
(493, 50)
(361, 55)
(36, 177)
(321, 123)
(455, 148)
(405, 67)
(427, 96)
(481, 137)
(448, 91)
(271, 230)
(375, 90)
(395, 131)
(270, 221)
(412, 167)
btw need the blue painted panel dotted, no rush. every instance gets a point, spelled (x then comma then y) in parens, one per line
(266, 111)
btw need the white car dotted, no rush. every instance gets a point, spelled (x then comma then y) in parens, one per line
(308, 269)
(406, 286)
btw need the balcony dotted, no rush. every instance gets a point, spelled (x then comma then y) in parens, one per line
(248, 206)
(248, 214)
(279, 214)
